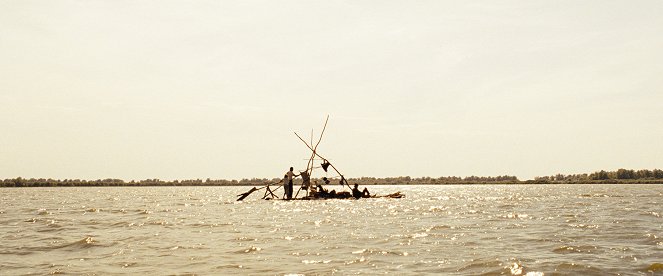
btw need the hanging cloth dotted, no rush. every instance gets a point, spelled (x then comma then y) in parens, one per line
(325, 165)
(306, 180)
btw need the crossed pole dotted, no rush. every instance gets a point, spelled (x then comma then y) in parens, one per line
(345, 181)
(309, 167)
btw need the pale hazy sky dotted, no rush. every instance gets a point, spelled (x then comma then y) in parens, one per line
(198, 89)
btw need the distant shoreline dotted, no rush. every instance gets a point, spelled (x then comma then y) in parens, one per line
(621, 176)
(169, 184)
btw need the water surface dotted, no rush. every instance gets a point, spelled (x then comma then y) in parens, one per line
(463, 230)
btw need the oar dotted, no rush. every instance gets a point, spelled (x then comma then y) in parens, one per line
(244, 195)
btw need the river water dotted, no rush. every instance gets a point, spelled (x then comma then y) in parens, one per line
(449, 230)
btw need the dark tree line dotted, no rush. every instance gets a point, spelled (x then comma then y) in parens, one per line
(434, 181)
(41, 182)
(618, 176)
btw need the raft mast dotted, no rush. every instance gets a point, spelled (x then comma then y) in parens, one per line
(317, 191)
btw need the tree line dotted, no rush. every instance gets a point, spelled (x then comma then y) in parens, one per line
(42, 182)
(618, 176)
(607, 177)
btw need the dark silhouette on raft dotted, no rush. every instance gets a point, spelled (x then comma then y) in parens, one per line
(312, 189)
(357, 194)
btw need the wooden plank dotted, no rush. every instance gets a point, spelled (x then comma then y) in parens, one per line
(244, 195)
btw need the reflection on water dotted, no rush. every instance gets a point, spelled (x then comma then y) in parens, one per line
(464, 230)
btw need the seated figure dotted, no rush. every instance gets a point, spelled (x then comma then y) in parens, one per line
(357, 194)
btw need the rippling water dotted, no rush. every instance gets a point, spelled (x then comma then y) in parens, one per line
(464, 230)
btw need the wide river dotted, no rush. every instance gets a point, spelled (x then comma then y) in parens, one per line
(448, 230)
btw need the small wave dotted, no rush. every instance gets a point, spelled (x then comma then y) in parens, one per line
(379, 252)
(316, 261)
(419, 235)
(125, 265)
(656, 214)
(360, 260)
(359, 251)
(53, 228)
(199, 225)
(437, 209)
(516, 216)
(652, 239)
(85, 243)
(655, 267)
(439, 227)
(187, 247)
(516, 269)
(599, 195)
(578, 269)
(251, 249)
(497, 267)
(584, 226)
(159, 222)
(589, 249)
(20, 253)
(230, 266)
(121, 223)
(178, 210)
(482, 266)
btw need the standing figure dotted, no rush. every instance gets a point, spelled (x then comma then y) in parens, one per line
(289, 175)
(285, 186)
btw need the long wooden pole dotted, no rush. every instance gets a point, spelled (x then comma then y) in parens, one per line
(315, 149)
(309, 165)
(345, 181)
(300, 188)
(322, 133)
(244, 195)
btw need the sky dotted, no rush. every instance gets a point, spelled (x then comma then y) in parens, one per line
(216, 89)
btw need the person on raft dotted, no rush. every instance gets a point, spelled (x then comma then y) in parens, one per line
(319, 190)
(287, 183)
(285, 186)
(357, 194)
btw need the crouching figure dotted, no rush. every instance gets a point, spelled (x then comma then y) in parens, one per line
(357, 194)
